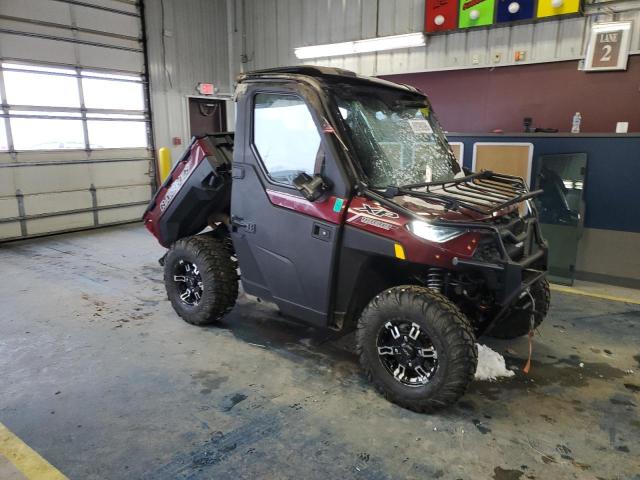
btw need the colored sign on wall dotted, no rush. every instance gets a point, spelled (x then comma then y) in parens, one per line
(447, 15)
(441, 15)
(550, 8)
(514, 10)
(476, 13)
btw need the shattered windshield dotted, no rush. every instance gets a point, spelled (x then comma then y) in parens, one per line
(397, 139)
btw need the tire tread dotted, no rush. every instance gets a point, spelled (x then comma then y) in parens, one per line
(215, 262)
(455, 328)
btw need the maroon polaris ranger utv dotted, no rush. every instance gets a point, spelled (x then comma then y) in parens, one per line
(340, 200)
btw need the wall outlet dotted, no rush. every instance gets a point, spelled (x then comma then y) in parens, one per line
(475, 59)
(497, 57)
(520, 56)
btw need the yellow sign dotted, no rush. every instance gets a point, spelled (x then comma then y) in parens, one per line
(550, 8)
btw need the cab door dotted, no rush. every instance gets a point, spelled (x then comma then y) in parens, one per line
(286, 245)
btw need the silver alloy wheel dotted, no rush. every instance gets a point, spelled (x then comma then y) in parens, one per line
(407, 352)
(189, 282)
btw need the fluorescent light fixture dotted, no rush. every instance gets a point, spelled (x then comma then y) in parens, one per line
(361, 46)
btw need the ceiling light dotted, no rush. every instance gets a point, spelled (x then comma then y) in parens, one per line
(361, 46)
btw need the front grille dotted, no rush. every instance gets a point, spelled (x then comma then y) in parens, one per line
(517, 237)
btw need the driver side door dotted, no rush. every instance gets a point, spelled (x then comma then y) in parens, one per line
(286, 245)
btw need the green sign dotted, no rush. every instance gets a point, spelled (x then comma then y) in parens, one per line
(476, 13)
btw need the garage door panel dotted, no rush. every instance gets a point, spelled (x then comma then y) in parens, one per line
(38, 49)
(115, 153)
(56, 202)
(119, 195)
(59, 223)
(120, 173)
(69, 156)
(36, 29)
(96, 20)
(125, 214)
(37, 10)
(115, 4)
(8, 207)
(62, 34)
(10, 230)
(52, 178)
(50, 156)
(7, 184)
(101, 57)
(118, 42)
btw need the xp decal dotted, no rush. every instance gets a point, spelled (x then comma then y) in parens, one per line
(372, 214)
(376, 211)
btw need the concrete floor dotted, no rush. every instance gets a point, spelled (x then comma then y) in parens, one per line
(100, 377)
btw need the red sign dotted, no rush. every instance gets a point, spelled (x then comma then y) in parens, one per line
(205, 88)
(441, 15)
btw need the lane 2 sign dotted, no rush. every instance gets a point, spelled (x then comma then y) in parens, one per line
(608, 47)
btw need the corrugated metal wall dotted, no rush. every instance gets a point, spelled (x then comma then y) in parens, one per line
(187, 44)
(275, 27)
(191, 41)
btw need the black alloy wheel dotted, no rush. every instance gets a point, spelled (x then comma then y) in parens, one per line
(201, 278)
(189, 282)
(407, 352)
(416, 347)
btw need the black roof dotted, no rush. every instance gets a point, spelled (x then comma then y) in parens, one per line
(325, 73)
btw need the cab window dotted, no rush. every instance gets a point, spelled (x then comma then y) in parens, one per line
(285, 136)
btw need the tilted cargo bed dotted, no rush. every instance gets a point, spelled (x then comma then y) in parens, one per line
(198, 187)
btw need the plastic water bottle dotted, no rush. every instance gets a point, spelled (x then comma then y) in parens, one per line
(575, 124)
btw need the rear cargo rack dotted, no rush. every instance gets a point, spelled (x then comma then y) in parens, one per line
(483, 192)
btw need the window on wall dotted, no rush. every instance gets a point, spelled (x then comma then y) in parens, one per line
(112, 91)
(33, 133)
(285, 136)
(52, 108)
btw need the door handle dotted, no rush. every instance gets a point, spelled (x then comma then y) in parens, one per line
(321, 232)
(238, 222)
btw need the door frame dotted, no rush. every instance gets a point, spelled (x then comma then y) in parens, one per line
(229, 107)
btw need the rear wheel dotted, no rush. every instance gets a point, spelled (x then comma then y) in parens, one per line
(416, 347)
(517, 323)
(201, 279)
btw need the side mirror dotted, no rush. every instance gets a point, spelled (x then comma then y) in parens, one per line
(311, 187)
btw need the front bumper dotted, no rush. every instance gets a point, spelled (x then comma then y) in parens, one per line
(518, 260)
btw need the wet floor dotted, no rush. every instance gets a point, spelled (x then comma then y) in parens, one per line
(100, 376)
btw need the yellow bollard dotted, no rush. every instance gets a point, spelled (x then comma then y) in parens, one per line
(164, 163)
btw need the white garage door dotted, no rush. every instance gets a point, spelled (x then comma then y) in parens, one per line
(75, 148)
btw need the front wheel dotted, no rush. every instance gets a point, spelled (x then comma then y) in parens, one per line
(417, 348)
(201, 279)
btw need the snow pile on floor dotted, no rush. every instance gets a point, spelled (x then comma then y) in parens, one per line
(491, 365)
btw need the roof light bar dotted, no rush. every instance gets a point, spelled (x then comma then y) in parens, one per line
(361, 46)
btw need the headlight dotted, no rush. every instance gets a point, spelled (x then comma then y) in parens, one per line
(434, 233)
